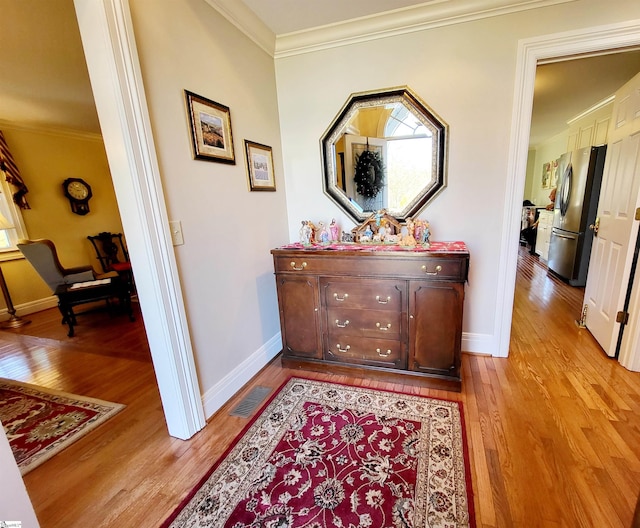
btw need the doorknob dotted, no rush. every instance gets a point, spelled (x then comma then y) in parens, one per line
(595, 226)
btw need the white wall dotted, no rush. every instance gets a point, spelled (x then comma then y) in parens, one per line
(546, 152)
(226, 270)
(466, 73)
(531, 165)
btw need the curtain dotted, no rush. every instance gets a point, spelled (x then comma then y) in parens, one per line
(12, 174)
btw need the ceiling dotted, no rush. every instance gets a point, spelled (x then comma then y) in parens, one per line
(44, 81)
(49, 87)
(288, 16)
(565, 89)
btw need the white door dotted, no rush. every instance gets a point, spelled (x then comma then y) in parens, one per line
(354, 146)
(614, 244)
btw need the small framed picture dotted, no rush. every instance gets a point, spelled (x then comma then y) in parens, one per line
(210, 129)
(554, 174)
(546, 175)
(260, 167)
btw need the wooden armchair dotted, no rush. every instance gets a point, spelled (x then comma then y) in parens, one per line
(43, 257)
(112, 253)
(73, 286)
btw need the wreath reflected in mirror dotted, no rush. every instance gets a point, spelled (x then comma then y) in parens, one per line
(369, 173)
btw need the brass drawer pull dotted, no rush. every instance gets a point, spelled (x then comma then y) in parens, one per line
(340, 349)
(298, 268)
(385, 328)
(383, 354)
(340, 299)
(383, 301)
(438, 270)
(342, 325)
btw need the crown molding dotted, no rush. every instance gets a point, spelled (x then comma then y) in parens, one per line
(246, 21)
(592, 109)
(50, 130)
(400, 21)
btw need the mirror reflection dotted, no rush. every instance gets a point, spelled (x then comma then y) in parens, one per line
(384, 150)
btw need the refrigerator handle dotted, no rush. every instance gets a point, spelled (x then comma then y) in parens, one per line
(565, 190)
(595, 226)
(564, 236)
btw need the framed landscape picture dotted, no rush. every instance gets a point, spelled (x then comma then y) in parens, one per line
(210, 124)
(260, 167)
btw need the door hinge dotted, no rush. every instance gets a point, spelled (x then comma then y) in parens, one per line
(582, 322)
(638, 213)
(622, 317)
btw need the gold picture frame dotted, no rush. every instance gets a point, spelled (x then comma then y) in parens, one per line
(260, 166)
(210, 125)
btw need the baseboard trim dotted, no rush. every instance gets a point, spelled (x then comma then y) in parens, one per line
(484, 344)
(32, 307)
(222, 391)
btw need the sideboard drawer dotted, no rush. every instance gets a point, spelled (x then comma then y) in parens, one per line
(432, 268)
(363, 294)
(365, 351)
(375, 265)
(379, 324)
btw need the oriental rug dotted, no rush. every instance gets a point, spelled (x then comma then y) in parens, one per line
(41, 422)
(323, 454)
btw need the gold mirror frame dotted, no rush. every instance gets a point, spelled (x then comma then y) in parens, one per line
(432, 177)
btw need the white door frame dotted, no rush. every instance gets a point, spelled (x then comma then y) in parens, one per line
(530, 52)
(111, 54)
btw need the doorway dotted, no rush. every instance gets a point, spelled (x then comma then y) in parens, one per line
(109, 46)
(106, 40)
(531, 52)
(569, 114)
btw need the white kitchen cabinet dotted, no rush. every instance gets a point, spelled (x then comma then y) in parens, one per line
(545, 223)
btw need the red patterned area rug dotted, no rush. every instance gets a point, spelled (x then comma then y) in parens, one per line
(41, 422)
(322, 454)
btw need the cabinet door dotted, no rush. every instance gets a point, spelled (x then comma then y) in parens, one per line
(299, 317)
(545, 223)
(435, 327)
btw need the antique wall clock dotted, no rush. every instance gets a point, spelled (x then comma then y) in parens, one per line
(78, 191)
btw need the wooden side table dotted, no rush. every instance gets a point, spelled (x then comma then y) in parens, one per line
(70, 295)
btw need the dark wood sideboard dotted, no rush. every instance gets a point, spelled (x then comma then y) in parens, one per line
(382, 309)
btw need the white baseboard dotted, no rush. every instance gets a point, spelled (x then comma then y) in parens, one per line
(222, 391)
(479, 343)
(32, 306)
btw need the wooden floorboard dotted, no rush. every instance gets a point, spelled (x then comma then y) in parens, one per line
(553, 429)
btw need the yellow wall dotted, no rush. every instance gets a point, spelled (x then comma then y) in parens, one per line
(45, 160)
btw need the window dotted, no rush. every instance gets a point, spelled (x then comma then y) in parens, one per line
(9, 237)
(409, 151)
(401, 122)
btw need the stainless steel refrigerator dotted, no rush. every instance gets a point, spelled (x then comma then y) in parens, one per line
(576, 206)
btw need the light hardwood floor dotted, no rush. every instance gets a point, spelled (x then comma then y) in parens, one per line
(553, 430)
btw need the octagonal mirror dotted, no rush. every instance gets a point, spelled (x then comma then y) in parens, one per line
(384, 150)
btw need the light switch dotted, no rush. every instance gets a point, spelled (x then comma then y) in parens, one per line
(176, 233)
